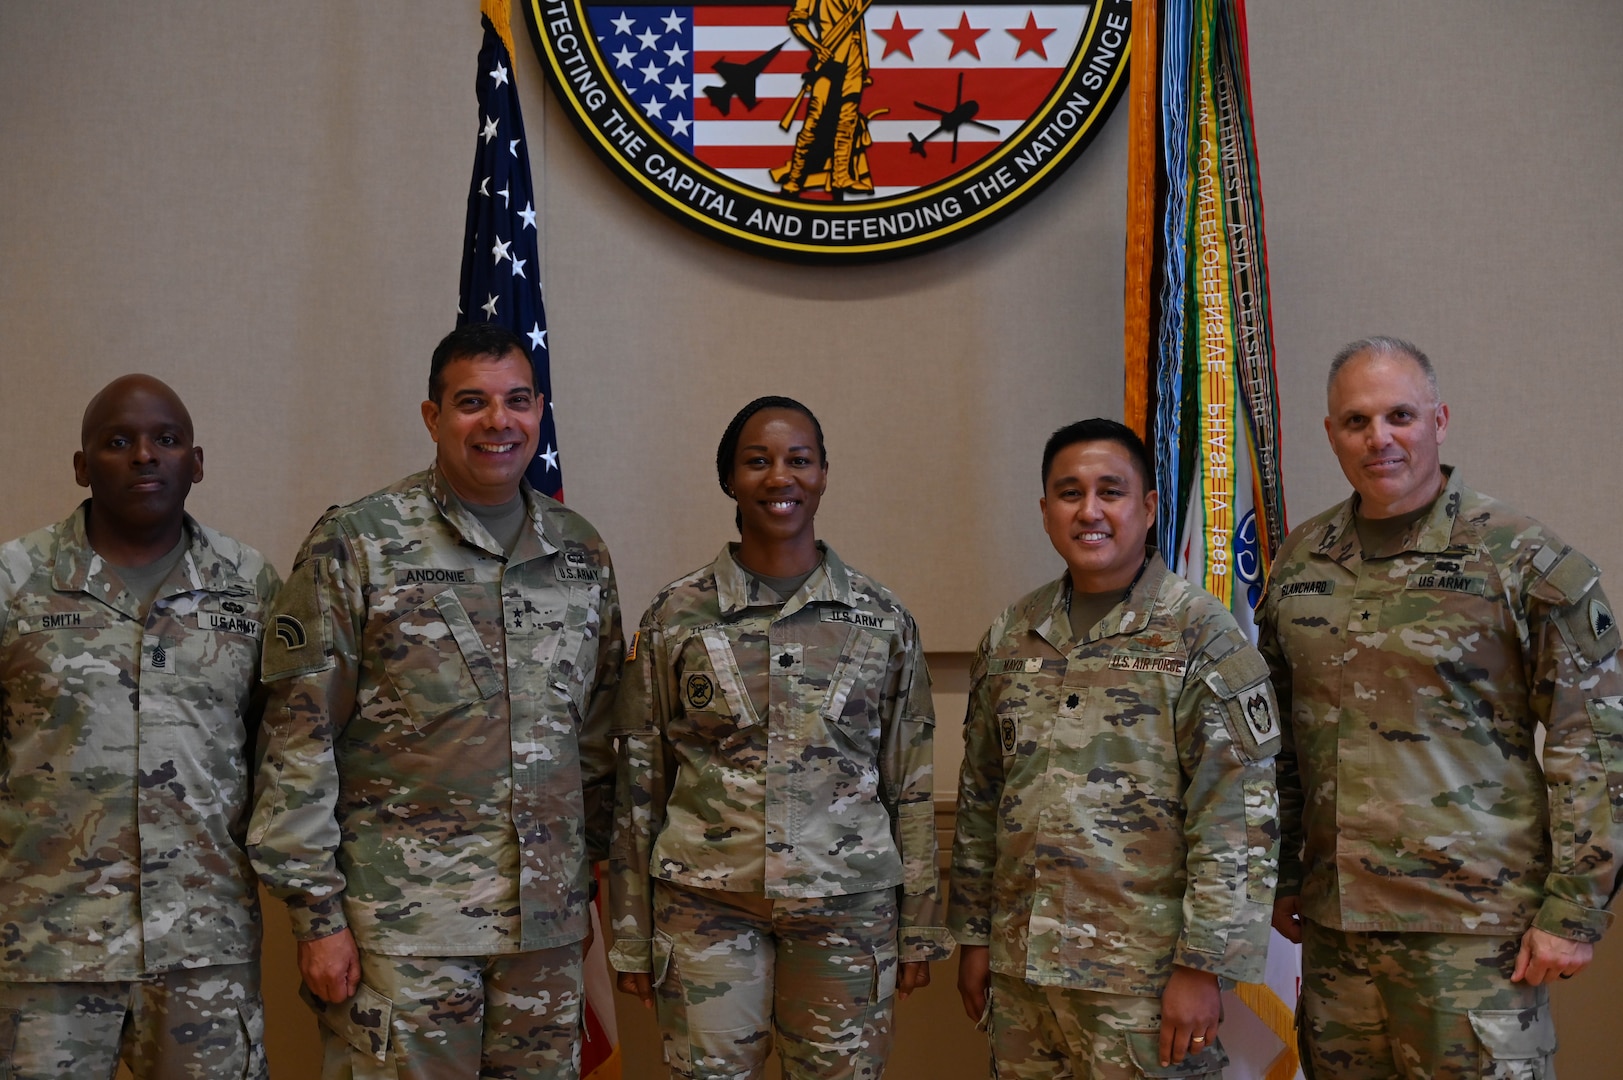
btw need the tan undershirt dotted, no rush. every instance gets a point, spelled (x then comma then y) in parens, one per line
(1381, 537)
(143, 582)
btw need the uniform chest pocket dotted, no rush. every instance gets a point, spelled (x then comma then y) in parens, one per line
(556, 630)
(715, 705)
(435, 661)
(856, 685)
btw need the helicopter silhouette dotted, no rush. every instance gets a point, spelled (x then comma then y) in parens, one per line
(738, 80)
(962, 112)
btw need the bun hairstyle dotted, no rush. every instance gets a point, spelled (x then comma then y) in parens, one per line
(727, 449)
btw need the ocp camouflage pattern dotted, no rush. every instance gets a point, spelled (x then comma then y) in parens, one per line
(124, 779)
(436, 769)
(798, 742)
(1411, 796)
(1116, 803)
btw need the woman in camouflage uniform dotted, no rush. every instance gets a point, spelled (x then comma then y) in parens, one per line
(774, 848)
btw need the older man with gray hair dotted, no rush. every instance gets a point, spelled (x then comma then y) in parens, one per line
(1437, 871)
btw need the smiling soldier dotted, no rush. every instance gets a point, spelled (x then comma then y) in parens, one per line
(436, 772)
(1116, 839)
(129, 655)
(1419, 634)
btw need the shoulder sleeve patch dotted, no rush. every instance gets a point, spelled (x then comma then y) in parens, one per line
(297, 642)
(1240, 681)
(1589, 628)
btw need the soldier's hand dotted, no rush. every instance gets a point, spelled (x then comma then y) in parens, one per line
(974, 979)
(331, 966)
(639, 984)
(1288, 918)
(1544, 956)
(1191, 1006)
(911, 976)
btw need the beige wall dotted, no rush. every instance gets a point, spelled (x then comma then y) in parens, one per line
(263, 204)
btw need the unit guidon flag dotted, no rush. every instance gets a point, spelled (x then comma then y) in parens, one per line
(835, 130)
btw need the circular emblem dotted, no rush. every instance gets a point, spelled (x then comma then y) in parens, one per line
(835, 130)
(701, 691)
(1006, 725)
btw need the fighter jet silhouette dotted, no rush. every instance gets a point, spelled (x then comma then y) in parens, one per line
(962, 112)
(738, 80)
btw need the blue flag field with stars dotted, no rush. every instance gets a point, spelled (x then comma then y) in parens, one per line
(501, 263)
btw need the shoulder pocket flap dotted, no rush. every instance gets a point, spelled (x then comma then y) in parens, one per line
(1239, 670)
(364, 1021)
(1515, 1034)
(296, 640)
(1240, 680)
(853, 659)
(1568, 580)
(480, 665)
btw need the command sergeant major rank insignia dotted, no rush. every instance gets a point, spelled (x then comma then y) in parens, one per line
(921, 122)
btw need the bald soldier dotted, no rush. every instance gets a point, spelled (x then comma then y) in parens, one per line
(1437, 869)
(129, 657)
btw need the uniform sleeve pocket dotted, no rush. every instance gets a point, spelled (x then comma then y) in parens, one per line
(661, 948)
(1261, 839)
(1515, 1034)
(9, 1018)
(1606, 716)
(847, 703)
(435, 661)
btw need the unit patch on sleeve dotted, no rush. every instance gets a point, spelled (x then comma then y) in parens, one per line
(1257, 705)
(698, 690)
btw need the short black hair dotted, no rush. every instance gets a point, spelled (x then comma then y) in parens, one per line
(727, 449)
(469, 340)
(1100, 430)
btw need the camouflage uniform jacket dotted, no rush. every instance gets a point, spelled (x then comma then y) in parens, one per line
(435, 769)
(1410, 794)
(1116, 806)
(124, 780)
(830, 792)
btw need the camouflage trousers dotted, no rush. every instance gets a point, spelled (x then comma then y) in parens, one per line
(1051, 1032)
(510, 1016)
(197, 1024)
(733, 969)
(1422, 1006)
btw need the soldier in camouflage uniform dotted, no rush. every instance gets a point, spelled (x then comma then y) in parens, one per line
(774, 866)
(129, 655)
(436, 771)
(1419, 634)
(1116, 840)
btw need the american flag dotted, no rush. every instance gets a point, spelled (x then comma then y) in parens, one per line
(501, 263)
(926, 61)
